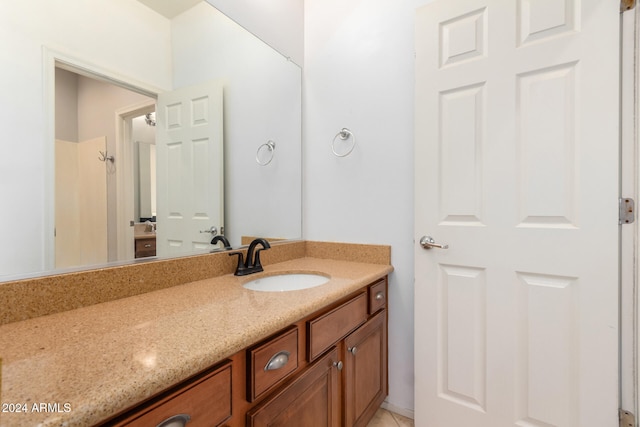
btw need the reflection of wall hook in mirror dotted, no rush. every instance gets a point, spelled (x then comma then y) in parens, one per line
(104, 157)
(265, 153)
(343, 135)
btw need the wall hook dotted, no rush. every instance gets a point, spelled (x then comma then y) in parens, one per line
(104, 157)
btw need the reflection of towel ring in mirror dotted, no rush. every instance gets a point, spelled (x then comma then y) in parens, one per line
(271, 147)
(344, 134)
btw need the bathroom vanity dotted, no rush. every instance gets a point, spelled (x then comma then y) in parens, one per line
(211, 351)
(328, 369)
(144, 236)
(145, 246)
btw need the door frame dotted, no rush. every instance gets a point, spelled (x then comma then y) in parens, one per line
(55, 58)
(630, 233)
(124, 175)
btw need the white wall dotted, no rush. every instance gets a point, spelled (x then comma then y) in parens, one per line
(66, 105)
(278, 22)
(262, 95)
(358, 73)
(138, 49)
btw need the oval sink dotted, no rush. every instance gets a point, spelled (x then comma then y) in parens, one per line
(286, 282)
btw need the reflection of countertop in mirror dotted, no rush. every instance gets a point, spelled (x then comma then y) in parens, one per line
(103, 358)
(139, 232)
(145, 235)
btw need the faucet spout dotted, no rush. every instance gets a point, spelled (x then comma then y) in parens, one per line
(253, 261)
(221, 238)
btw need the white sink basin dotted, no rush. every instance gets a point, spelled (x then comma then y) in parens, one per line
(286, 282)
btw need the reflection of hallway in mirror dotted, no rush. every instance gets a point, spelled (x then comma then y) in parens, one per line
(81, 203)
(143, 136)
(86, 105)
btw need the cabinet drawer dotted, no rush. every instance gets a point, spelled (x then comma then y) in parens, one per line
(206, 401)
(326, 330)
(271, 362)
(377, 296)
(145, 247)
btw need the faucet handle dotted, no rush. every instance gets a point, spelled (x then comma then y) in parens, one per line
(256, 261)
(240, 267)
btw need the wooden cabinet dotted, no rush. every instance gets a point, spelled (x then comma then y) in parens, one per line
(355, 335)
(365, 371)
(145, 247)
(327, 370)
(311, 400)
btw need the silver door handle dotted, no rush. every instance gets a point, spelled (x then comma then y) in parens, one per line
(213, 230)
(427, 242)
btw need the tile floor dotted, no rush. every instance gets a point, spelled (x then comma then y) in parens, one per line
(384, 418)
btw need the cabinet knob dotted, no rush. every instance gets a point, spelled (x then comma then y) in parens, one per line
(380, 296)
(277, 361)
(179, 420)
(338, 365)
(353, 350)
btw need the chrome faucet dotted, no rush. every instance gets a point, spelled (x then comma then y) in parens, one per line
(252, 263)
(221, 238)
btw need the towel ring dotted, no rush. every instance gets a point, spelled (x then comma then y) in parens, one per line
(271, 147)
(344, 134)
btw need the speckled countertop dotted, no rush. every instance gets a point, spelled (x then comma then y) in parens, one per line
(98, 360)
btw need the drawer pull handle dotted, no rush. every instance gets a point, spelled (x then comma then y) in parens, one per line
(277, 361)
(179, 420)
(148, 245)
(353, 350)
(380, 296)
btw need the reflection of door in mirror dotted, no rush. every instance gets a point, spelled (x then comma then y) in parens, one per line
(143, 135)
(190, 168)
(85, 109)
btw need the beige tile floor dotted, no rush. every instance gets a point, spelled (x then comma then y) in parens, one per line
(384, 418)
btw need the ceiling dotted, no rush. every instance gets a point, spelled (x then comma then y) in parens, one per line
(170, 8)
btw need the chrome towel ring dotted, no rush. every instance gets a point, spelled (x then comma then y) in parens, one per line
(265, 152)
(344, 134)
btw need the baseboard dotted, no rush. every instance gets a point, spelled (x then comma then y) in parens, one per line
(398, 410)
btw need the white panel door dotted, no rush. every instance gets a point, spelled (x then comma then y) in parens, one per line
(516, 169)
(190, 172)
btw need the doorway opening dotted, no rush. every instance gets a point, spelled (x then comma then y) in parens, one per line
(91, 214)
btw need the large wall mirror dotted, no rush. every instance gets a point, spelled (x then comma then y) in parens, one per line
(105, 166)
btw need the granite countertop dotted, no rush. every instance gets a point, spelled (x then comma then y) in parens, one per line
(90, 363)
(144, 235)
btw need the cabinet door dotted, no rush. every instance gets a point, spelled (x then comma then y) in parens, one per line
(311, 400)
(365, 370)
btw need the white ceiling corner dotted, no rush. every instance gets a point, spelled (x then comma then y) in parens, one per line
(170, 8)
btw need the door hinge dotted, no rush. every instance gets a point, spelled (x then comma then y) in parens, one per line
(627, 419)
(627, 210)
(627, 5)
